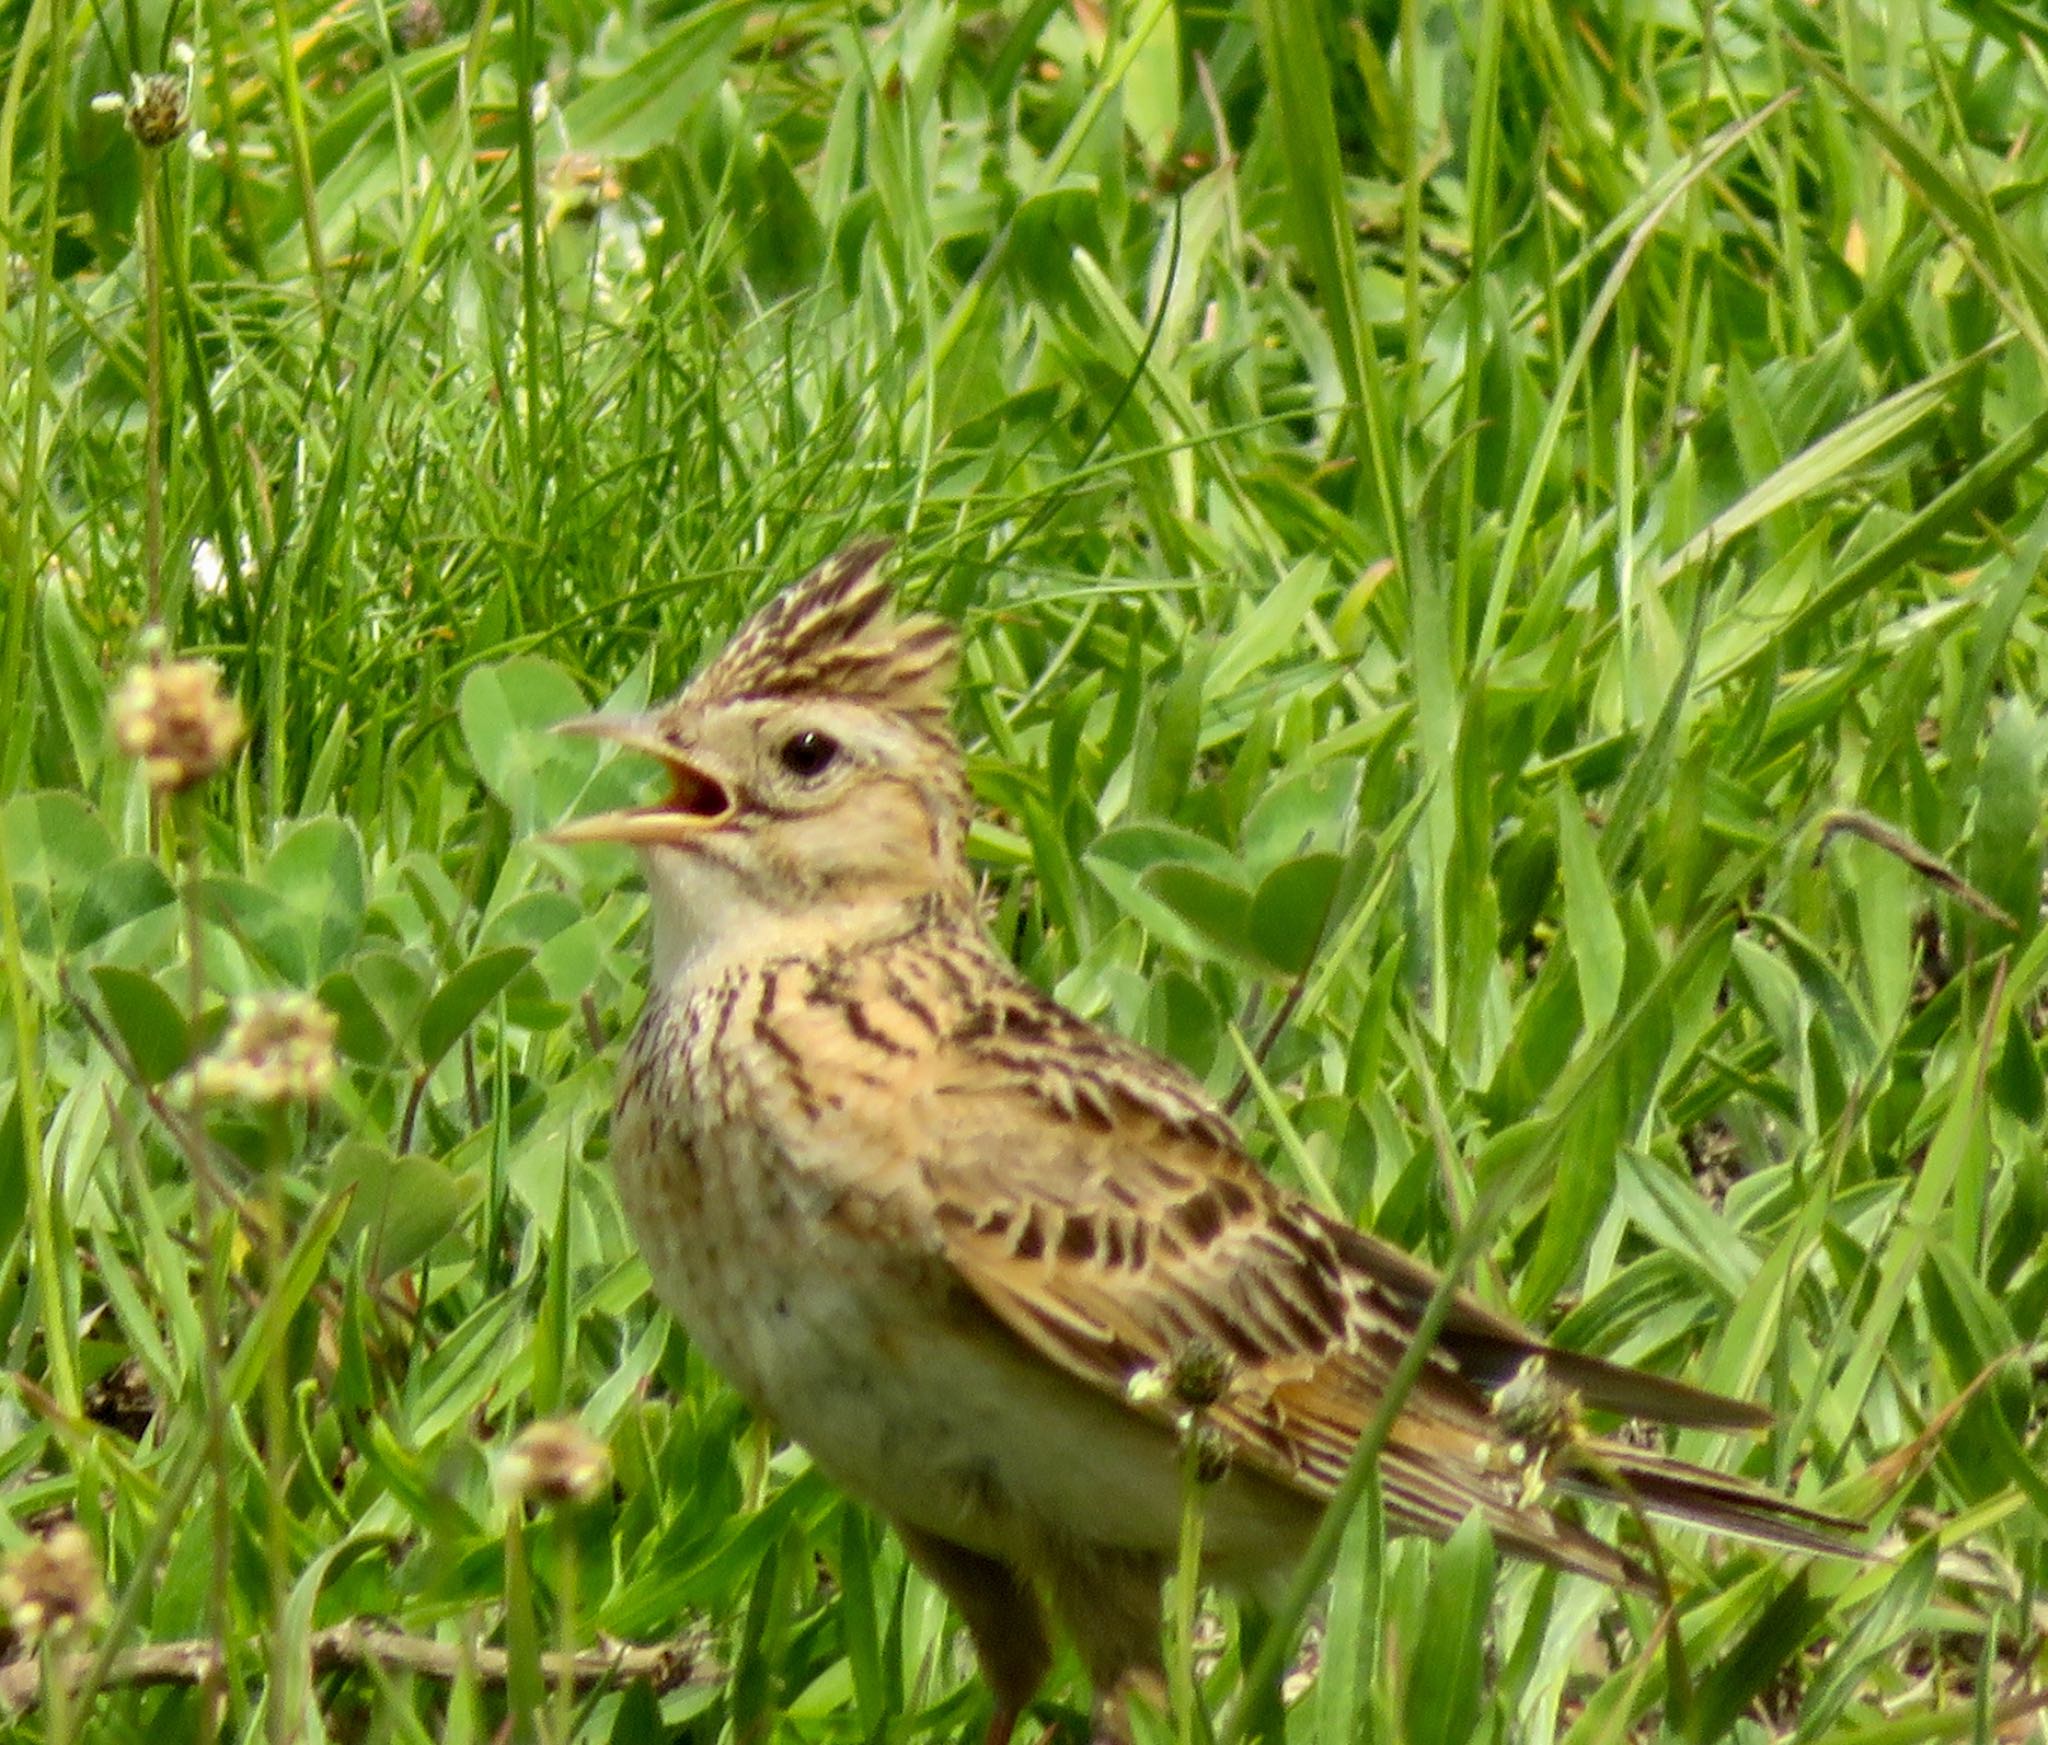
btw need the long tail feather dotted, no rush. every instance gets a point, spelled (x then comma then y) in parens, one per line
(1491, 1349)
(1676, 1490)
(1607, 1387)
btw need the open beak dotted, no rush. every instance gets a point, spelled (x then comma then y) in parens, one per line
(697, 801)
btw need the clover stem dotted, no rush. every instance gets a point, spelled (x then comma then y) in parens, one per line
(277, 1430)
(567, 1573)
(180, 819)
(151, 162)
(1187, 1584)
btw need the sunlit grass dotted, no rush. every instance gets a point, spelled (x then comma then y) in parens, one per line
(1450, 511)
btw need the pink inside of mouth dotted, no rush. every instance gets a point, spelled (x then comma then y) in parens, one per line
(695, 794)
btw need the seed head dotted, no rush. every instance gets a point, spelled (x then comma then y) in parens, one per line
(279, 1048)
(420, 24)
(555, 1461)
(1537, 1410)
(158, 112)
(1200, 1373)
(51, 1586)
(1211, 1452)
(177, 720)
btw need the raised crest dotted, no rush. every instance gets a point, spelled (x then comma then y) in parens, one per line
(836, 634)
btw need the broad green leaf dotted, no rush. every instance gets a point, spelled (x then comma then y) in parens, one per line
(2017, 1080)
(316, 871)
(53, 839)
(460, 1000)
(1217, 909)
(1774, 992)
(405, 1205)
(1302, 114)
(13, 1170)
(1970, 1327)
(862, 1624)
(1751, 1664)
(1344, 1687)
(75, 683)
(122, 891)
(266, 925)
(554, 1332)
(787, 250)
(1290, 912)
(1183, 1021)
(1170, 739)
(1827, 993)
(1672, 1213)
(54, 843)
(1592, 927)
(1828, 464)
(1465, 917)
(649, 102)
(356, 147)
(2005, 836)
(1125, 861)
(1271, 627)
(1980, 481)
(525, 1683)
(1139, 847)
(1957, 197)
(1957, 1145)
(1151, 90)
(506, 711)
(147, 1020)
(1300, 811)
(719, 1569)
(394, 990)
(566, 952)
(568, 969)
(318, 797)
(1447, 1676)
(360, 1032)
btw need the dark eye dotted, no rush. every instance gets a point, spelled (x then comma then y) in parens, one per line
(808, 753)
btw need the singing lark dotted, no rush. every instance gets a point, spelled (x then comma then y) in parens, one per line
(961, 1244)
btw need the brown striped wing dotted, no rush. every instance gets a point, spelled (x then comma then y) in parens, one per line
(1116, 1244)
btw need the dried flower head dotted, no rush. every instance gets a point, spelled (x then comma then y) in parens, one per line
(157, 107)
(51, 1586)
(1200, 1373)
(178, 721)
(279, 1048)
(1541, 1417)
(420, 24)
(555, 1461)
(158, 112)
(1210, 1450)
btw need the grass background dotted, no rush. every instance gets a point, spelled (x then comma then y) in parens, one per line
(1451, 505)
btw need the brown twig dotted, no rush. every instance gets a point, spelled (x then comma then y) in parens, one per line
(1900, 846)
(1283, 1015)
(353, 1647)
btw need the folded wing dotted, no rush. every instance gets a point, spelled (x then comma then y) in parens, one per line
(1120, 1232)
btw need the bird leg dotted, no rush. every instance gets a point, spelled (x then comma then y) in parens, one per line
(1002, 1618)
(1109, 1603)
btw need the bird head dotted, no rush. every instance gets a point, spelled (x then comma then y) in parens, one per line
(812, 770)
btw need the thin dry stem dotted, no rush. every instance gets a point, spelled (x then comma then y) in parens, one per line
(354, 1647)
